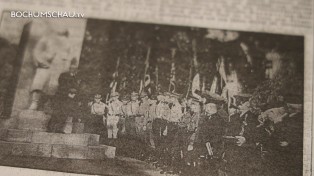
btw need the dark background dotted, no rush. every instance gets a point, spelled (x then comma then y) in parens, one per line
(105, 41)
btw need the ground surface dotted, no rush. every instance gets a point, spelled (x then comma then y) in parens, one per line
(117, 166)
(130, 156)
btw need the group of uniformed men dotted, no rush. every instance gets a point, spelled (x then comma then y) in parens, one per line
(181, 131)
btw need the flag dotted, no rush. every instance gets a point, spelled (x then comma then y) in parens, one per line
(233, 87)
(214, 85)
(147, 60)
(113, 87)
(113, 84)
(221, 69)
(156, 74)
(195, 62)
(172, 85)
(145, 82)
(190, 80)
(141, 87)
(246, 52)
(196, 86)
(203, 84)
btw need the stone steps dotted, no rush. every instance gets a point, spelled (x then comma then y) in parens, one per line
(57, 150)
(28, 136)
(57, 145)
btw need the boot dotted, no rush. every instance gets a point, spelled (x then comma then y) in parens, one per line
(36, 95)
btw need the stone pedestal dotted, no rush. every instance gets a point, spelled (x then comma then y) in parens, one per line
(30, 139)
(33, 120)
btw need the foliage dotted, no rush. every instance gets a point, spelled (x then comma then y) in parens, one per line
(287, 83)
(106, 41)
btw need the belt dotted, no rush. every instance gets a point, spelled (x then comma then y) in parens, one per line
(173, 122)
(115, 115)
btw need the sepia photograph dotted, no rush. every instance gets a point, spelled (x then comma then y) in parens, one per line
(108, 97)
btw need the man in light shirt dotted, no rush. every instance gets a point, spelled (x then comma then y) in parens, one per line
(142, 120)
(95, 125)
(132, 111)
(114, 113)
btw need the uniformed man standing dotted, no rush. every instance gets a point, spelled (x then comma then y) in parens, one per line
(95, 124)
(172, 138)
(241, 152)
(160, 128)
(209, 142)
(151, 120)
(182, 135)
(70, 79)
(165, 116)
(124, 115)
(132, 111)
(146, 121)
(69, 111)
(157, 123)
(143, 117)
(192, 127)
(114, 113)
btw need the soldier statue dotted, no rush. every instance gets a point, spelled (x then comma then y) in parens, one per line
(52, 57)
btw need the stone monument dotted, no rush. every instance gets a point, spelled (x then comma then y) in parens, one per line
(38, 78)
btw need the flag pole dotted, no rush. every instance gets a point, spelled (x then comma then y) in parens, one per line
(172, 69)
(113, 84)
(190, 79)
(156, 72)
(145, 70)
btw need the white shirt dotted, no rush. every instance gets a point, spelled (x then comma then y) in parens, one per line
(115, 107)
(98, 108)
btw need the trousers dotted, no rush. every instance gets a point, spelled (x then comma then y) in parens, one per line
(112, 126)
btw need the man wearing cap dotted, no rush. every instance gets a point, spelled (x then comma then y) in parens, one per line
(152, 117)
(142, 119)
(176, 114)
(209, 142)
(146, 121)
(166, 112)
(122, 120)
(241, 137)
(132, 111)
(160, 127)
(69, 79)
(192, 120)
(165, 116)
(114, 113)
(98, 111)
(157, 110)
(182, 134)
